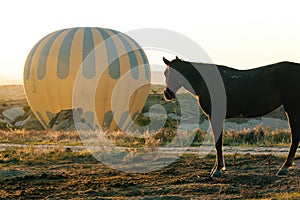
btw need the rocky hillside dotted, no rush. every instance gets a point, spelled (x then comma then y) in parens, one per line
(15, 112)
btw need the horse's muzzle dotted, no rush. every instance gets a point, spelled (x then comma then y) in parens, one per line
(169, 95)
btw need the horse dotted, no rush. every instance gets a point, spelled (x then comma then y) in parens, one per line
(249, 93)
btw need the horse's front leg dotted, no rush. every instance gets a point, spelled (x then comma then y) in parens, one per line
(219, 163)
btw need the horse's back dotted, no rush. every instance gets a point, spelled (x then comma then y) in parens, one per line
(282, 77)
(258, 91)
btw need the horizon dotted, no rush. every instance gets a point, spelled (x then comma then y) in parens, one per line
(157, 77)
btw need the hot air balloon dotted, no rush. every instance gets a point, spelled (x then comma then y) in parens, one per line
(100, 72)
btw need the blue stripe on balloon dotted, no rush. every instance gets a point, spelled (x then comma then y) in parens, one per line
(63, 63)
(134, 70)
(89, 117)
(77, 114)
(145, 60)
(146, 64)
(131, 120)
(49, 115)
(108, 117)
(44, 123)
(123, 119)
(42, 63)
(88, 54)
(28, 64)
(112, 55)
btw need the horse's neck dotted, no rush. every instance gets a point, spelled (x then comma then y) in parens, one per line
(193, 73)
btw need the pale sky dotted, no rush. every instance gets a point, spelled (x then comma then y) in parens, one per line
(240, 34)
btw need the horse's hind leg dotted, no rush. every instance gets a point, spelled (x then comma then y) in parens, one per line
(294, 121)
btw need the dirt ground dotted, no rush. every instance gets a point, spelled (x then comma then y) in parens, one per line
(247, 177)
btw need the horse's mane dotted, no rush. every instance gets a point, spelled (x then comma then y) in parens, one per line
(178, 60)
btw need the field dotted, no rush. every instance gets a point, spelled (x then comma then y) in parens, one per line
(63, 173)
(37, 163)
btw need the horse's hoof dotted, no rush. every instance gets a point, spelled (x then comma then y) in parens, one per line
(283, 171)
(216, 174)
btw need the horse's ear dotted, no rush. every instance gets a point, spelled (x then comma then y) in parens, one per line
(166, 61)
(177, 58)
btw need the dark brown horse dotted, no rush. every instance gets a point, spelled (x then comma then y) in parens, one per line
(249, 93)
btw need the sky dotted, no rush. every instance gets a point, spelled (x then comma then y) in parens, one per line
(239, 34)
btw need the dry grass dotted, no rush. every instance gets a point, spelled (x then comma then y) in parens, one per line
(286, 195)
(40, 137)
(256, 136)
(31, 155)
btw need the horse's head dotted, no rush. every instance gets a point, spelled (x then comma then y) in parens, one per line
(172, 79)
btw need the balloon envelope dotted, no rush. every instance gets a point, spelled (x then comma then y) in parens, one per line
(102, 74)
